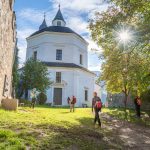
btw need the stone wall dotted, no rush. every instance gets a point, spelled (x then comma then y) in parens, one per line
(7, 46)
(117, 100)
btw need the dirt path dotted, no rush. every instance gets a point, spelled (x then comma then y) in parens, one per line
(126, 135)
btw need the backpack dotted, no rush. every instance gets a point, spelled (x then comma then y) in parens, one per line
(98, 104)
(139, 102)
(74, 100)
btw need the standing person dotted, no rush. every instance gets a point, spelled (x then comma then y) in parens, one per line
(137, 102)
(68, 100)
(33, 102)
(73, 102)
(96, 105)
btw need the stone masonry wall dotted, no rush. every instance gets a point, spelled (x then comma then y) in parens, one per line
(7, 45)
(117, 100)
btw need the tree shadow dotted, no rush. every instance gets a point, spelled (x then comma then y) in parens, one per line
(77, 137)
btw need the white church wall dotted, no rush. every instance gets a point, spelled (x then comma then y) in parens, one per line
(46, 45)
(77, 81)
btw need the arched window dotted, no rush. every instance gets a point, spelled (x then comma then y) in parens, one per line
(58, 23)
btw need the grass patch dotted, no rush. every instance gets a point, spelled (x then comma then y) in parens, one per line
(53, 129)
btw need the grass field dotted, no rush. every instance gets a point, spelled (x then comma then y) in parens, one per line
(47, 128)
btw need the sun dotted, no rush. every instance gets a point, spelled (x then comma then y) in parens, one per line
(124, 36)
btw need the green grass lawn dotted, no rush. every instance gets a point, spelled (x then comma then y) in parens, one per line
(47, 128)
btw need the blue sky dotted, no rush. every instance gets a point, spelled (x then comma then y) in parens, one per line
(76, 13)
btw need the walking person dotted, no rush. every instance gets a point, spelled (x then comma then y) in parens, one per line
(33, 102)
(137, 102)
(96, 106)
(72, 103)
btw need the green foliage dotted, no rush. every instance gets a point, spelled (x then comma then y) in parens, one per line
(42, 98)
(145, 96)
(26, 102)
(35, 75)
(15, 73)
(125, 65)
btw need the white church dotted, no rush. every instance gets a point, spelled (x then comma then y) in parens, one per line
(66, 55)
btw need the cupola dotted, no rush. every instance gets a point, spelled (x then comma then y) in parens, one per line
(59, 20)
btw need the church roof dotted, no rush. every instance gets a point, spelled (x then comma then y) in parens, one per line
(59, 29)
(67, 65)
(43, 25)
(59, 16)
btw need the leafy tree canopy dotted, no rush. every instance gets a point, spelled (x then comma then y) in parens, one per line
(126, 64)
(35, 75)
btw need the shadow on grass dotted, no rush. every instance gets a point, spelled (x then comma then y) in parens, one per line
(129, 115)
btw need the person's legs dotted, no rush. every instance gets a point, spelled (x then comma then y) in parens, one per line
(138, 111)
(73, 107)
(98, 118)
(95, 119)
(70, 108)
(33, 105)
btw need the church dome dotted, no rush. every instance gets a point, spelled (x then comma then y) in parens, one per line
(43, 25)
(58, 29)
(58, 25)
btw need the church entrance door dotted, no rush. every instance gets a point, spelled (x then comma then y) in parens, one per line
(57, 96)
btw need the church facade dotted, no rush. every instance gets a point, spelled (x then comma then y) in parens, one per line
(66, 55)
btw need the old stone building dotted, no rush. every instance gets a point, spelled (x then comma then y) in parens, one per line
(7, 46)
(117, 100)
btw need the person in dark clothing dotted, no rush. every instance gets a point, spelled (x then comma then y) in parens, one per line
(33, 102)
(96, 102)
(137, 102)
(68, 100)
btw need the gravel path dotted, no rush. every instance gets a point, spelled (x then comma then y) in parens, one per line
(126, 135)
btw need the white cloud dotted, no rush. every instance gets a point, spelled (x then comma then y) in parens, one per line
(78, 24)
(78, 5)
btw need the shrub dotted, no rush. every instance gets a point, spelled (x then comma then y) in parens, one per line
(146, 96)
(42, 98)
(26, 102)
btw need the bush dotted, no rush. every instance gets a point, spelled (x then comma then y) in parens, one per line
(26, 102)
(146, 96)
(42, 98)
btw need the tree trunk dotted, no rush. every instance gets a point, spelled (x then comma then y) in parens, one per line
(125, 102)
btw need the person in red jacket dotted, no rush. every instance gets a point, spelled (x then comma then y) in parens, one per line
(72, 103)
(96, 106)
(137, 102)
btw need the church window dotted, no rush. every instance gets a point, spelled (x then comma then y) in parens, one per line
(58, 54)
(81, 59)
(86, 95)
(35, 55)
(58, 77)
(58, 23)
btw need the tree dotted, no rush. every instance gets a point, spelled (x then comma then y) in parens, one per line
(35, 75)
(125, 67)
(15, 73)
(42, 98)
